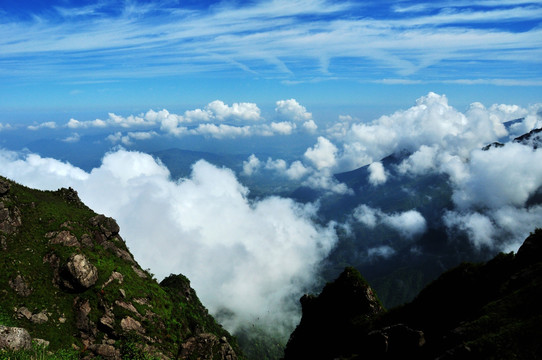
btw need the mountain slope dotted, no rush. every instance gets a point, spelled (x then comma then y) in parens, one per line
(67, 277)
(474, 311)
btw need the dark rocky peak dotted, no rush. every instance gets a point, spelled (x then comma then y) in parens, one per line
(342, 312)
(493, 145)
(70, 195)
(532, 138)
(474, 311)
(531, 250)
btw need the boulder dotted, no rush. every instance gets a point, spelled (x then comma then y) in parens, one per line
(78, 274)
(4, 186)
(65, 238)
(23, 312)
(129, 324)
(19, 285)
(39, 318)
(14, 338)
(105, 351)
(207, 347)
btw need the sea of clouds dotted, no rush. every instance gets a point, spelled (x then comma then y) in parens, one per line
(254, 258)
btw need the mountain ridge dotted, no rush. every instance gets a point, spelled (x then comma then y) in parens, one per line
(70, 283)
(473, 311)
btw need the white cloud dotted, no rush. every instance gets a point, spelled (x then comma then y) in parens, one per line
(432, 127)
(367, 215)
(408, 224)
(168, 40)
(76, 124)
(251, 165)
(222, 131)
(237, 111)
(73, 138)
(283, 127)
(322, 155)
(310, 126)
(324, 180)
(130, 136)
(48, 125)
(142, 135)
(420, 162)
(253, 258)
(292, 110)
(277, 165)
(479, 227)
(377, 174)
(112, 120)
(384, 251)
(297, 170)
(499, 177)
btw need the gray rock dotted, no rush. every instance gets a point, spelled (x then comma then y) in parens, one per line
(65, 238)
(14, 338)
(79, 274)
(4, 187)
(39, 318)
(19, 285)
(24, 312)
(105, 351)
(130, 324)
(10, 219)
(42, 343)
(207, 347)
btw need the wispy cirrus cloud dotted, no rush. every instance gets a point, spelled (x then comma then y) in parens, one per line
(282, 39)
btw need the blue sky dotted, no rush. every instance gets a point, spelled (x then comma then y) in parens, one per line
(132, 56)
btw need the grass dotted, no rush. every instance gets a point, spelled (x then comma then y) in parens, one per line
(168, 319)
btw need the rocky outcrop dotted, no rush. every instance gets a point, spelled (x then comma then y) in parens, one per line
(64, 237)
(20, 286)
(340, 315)
(14, 338)
(207, 347)
(65, 270)
(78, 274)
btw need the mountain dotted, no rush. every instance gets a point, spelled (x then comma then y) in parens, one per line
(475, 311)
(69, 282)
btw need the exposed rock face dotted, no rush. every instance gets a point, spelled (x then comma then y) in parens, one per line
(207, 347)
(339, 315)
(71, 196)
(20, 286)
(39, 318)
(64, 238)
(105, 351)
(107, 227)
(52, 250)
(79, 274)
(10, 219)
(4, 187)
(14, 338)
(130, 324)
